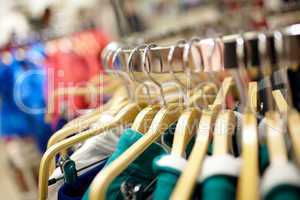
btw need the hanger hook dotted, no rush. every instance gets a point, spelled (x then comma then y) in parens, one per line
(262, 50)
(186, 56)
(147, 69)
(134, 52)
(279, 50)
(170, 62)
(123, 78)
(210, 72)
(187, 52)
(240, 71)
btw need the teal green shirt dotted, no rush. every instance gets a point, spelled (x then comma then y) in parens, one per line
(140, 171)
(218, 187)
(284, 192)
(168, 169)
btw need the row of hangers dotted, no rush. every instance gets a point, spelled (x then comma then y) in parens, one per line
(151, 116)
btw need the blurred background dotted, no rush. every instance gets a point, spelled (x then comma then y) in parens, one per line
(50, 46)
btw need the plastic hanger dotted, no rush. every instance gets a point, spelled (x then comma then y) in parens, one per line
(125, 116)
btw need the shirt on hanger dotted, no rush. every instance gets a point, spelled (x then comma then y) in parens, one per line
(93, 150)
(168, 169)
(76, 190)
(138, 172)
(219, 181)
(281, 181)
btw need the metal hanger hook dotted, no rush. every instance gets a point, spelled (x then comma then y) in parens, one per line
(176, 79)
(279, 49)
(262, 50)
(146, 66)
(239, 73)
(121, 75)
(136, 52)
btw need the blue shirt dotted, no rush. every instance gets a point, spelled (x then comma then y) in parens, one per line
(77, 190)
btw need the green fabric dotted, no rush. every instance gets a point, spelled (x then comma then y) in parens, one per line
(284, 192)
(263, 158)
(166, 180)
(140, 171)
(218, 187)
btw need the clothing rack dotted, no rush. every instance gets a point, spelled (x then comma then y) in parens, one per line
(291, 46)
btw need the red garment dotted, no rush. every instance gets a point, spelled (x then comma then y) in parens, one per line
(72, 62)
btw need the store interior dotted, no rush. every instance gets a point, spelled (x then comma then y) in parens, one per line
(150, 99)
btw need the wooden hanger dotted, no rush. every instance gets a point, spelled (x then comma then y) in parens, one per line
(293, 120)
(190, 117)
(117, 102)
(281, 103)
(248, 183)
(125, 116)
(163, 119)
(184, 130)
(294, 127)
(224, 129)
(186, 183)
(275, 138)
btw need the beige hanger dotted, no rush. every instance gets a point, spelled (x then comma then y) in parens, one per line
(125, 116)
(191, 116)
(117, 103)
(224, 129)
(143, 120)
(294, 127)
(248, 183)
(186, 183)
(275, 138)
(293, 120)
(163, 119)
(281, 103)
